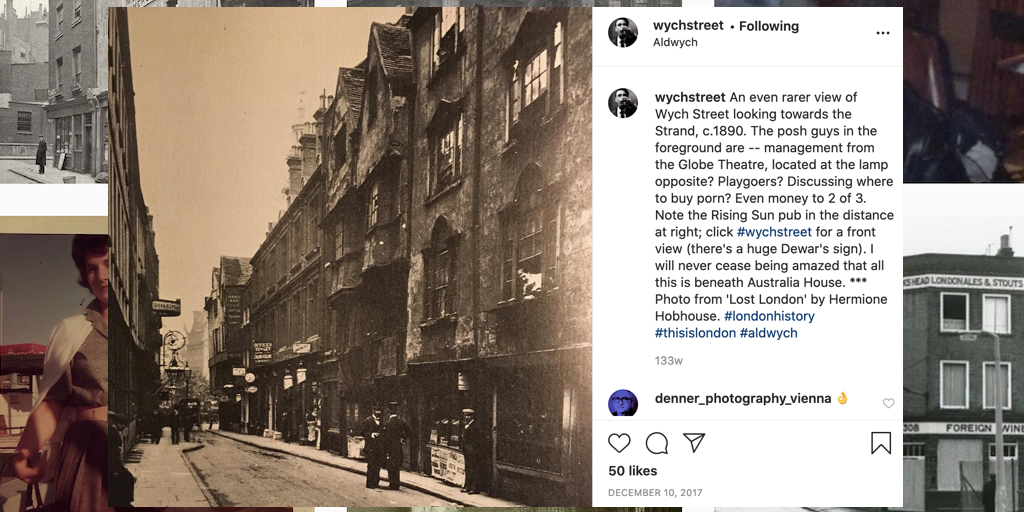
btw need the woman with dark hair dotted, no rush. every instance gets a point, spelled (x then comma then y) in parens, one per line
(75, 380)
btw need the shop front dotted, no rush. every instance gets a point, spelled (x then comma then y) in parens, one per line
(945, 464)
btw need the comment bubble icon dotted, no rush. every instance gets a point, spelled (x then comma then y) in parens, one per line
(657, 443)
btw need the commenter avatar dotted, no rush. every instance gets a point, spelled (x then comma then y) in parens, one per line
(622, 403)
(622, 103)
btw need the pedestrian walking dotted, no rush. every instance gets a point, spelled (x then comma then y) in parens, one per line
(41, 155)
(188, 421)
(156, 427)
(311, 427)
(175, 422)
(473, 442)
(395, 432)
(988, 494)
(373, 448)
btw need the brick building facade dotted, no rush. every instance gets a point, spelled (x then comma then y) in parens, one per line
(949, 391)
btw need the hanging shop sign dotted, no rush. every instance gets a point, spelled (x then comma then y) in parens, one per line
(166, 307)
(262, 353)
(237, 372)
(250, 389)
(250, 378)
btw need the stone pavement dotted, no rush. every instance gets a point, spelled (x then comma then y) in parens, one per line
(421, 483)
(164, 478)
(29, 170)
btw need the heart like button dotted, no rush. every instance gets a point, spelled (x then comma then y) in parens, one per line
(888, 403)
(619, 441)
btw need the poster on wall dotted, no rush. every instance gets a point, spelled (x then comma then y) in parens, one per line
(448, 465)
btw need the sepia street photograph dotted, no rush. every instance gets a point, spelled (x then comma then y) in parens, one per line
(352, 256)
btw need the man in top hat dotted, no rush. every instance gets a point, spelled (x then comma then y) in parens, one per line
(396, 431)
(473, 442)
(41, 155)
(373, 450)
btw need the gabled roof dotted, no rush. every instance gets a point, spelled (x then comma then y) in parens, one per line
(350, 81)
(235, 271)
(394, 44)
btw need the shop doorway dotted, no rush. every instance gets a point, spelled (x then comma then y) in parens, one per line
(913, 477)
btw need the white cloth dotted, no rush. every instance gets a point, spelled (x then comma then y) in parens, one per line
(65, 340)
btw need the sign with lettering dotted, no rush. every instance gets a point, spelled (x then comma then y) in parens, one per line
(167, 307)
(262, 353)
(967, 282)
(961, 428)
(237, 372)
(448, 465)
(301, 348)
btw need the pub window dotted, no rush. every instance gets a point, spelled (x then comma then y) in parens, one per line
(530, 414)
(530, 240)
(1009, 450)
(989, 385)
(953, 384)
(447, 154)
(954, 312)
(996, 314)
(440, 261)
(913, 450)
(24, 121)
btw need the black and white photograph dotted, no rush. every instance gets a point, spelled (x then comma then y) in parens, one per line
(363, 255)
(963, 286)
(622, 32)
(622, 103)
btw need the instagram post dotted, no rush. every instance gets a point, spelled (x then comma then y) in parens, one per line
(368, 274)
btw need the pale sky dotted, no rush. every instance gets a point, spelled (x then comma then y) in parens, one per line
(961, 235)
(216, 94)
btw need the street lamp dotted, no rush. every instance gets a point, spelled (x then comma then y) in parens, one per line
(1000, 392)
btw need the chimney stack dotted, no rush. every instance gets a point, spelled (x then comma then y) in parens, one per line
(1005, 250)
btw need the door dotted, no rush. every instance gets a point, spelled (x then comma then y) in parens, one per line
(87, 159)
(951, 453)
(913, 484)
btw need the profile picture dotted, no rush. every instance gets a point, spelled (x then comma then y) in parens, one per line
(622, 103)
(622, 32)
(622, 403)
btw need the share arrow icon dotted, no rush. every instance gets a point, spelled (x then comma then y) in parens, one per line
(695, 440)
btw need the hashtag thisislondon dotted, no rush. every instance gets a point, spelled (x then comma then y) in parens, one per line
(742, 231)
(743, 332)
(728, 315)
(659, 332)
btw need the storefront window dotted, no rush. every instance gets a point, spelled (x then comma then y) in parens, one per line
(443, 417)
(530, 410)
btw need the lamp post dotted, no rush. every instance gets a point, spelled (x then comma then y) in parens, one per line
(1000, 393)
